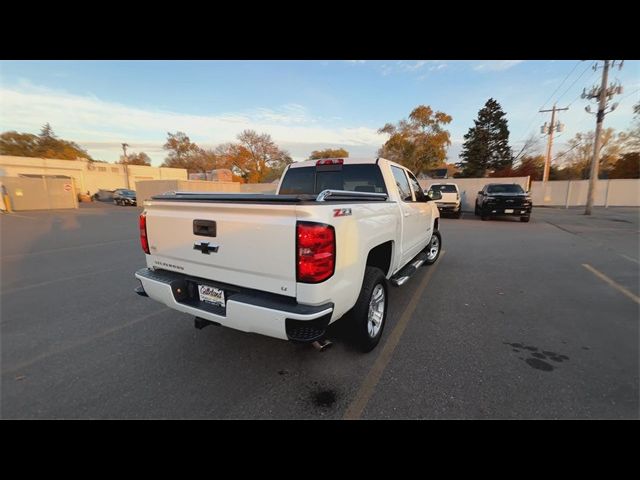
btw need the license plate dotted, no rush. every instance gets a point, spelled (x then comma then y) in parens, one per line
(211, 295)
(508, 210)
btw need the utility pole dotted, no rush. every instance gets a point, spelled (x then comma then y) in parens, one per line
(126, 165)
(602, 94)
(553, 127)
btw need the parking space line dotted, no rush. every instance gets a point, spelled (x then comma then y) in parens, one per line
(613, 283)
(84, 341)
(629, 258)
(357, 406)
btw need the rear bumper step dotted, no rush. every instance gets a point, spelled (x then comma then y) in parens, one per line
(244, 309)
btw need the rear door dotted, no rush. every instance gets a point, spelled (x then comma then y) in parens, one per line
(411, 219)
(424, 213)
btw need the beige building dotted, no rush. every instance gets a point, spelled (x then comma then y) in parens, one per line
(85, 175)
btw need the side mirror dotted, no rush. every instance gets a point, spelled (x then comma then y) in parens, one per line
(434, 195)
(480, 192)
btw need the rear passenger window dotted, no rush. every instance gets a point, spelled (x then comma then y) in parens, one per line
(402, 183)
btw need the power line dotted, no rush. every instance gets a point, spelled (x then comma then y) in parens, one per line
(564, 153)
(626, 96)
(580, 94)
(574, 82)
(562, 83)
(524, 139)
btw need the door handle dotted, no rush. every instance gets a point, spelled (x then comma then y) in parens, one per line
(406, 214)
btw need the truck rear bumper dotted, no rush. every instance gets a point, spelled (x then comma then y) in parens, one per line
(245, 310)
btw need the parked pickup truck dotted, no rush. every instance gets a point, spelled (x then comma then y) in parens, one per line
(503, 199)
(287, 265)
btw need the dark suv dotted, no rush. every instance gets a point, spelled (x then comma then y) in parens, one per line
(503, 199)
(124, 197)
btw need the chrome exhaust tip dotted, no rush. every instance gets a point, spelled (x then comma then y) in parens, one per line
(322, 344)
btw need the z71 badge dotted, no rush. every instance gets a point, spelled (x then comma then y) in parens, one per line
(341, 212)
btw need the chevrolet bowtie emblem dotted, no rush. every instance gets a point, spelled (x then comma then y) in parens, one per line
(206, 247)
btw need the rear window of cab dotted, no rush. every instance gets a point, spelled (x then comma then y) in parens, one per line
(352, 178)
(444, 188)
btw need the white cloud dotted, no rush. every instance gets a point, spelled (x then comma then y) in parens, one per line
(412, 67)
(101, 126)
(496, 65)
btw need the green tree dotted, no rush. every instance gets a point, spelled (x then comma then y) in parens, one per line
(135, 159)
(486, 146)
(45, 145)
(532, 166)
(328, 153)
(419, 142)
(632, 143)
(18, 144)
(183, 153)
(628, 166)
(577, 159)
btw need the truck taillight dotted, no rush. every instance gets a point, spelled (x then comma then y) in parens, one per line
(144, 241)
(315, 252)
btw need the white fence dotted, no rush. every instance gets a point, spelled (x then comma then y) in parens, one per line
(258, 187)
(469, 187)
(570, 193)
(148, 188)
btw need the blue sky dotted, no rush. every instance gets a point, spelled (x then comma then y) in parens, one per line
(304, 105)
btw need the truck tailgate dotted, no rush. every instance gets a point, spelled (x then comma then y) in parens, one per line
(256, 242)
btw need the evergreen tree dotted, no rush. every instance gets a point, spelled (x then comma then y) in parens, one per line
(486, 146)
(47, 132)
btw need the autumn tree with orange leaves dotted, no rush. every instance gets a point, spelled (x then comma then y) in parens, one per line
(255, 157)
(419, 142)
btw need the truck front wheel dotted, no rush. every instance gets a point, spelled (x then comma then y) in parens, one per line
(433, 248)
(370, 311)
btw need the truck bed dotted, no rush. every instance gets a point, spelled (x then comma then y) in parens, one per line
(324, 196)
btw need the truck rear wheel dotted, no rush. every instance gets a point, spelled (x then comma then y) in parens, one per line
(370, 311)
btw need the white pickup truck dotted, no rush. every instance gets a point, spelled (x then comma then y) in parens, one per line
(287, 265)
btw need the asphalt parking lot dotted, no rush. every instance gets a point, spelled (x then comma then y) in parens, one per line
(516, 320)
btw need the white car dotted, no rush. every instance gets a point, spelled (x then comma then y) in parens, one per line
(450, 201)
(288, 265)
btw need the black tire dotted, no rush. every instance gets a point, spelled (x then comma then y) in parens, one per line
(483, 216)
(459, 214)
(360, 312)
(433, 260)
(525, 219)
